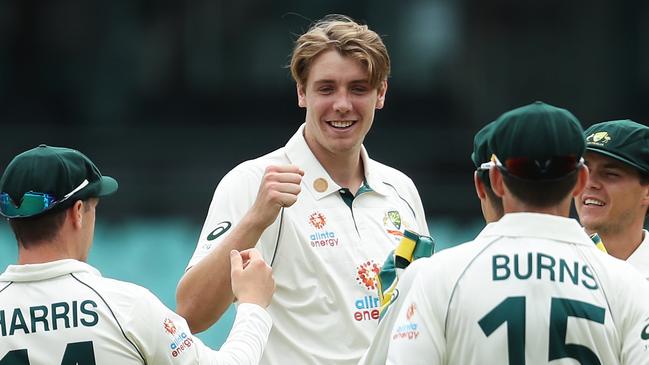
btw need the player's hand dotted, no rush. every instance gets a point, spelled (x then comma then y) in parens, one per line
(252, 282)
(279, 188)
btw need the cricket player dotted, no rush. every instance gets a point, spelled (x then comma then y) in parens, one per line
(57, 309)
(492, 210)
(615, 200)
(531, 288)
(320, 210)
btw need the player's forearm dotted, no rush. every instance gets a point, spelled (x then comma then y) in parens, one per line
(205, 291)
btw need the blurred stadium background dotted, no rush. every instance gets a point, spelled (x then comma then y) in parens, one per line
(169, 96)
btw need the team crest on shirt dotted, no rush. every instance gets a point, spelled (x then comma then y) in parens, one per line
(321, 237)
(598, 138)
(393, 224)
(181, 341)
(407, 330)
(367, 307)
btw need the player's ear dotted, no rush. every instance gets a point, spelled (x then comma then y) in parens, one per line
(497, 184)
(644, 200)
(383, 89)
(75, 214)
(301, 95)
(479, 186)
(582, 180)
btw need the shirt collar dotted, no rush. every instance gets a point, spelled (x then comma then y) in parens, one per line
(316, 179)
(48, 270)
(537, 225)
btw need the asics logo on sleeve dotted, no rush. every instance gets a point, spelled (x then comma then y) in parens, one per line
(645, 333)
(219, 230)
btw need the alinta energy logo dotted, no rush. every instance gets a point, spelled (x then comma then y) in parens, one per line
(180, 342)
(407, 331)
(321, 237)
(170, 327)
(367, 307)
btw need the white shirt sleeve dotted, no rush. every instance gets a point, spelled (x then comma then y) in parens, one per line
(378, 350)
(163, 337)
(418, 333)
(635, 323)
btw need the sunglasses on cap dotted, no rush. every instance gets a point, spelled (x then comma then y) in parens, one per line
(531, 169)
(33, 203)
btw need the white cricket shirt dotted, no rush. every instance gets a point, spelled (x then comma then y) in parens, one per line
(65, 312)
(324, 253)
(640, 257)
(532, 289)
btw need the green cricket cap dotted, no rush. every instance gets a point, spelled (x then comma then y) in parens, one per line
(623, 140)
(481, 152)
(45, 177)
(538, 142)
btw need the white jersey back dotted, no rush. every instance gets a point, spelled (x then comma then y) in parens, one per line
(64, 312)
(531, 289)
(62, 320)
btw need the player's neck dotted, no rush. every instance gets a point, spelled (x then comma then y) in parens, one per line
(345, 169)
(46, 251)
(513, 205)
(622, 243)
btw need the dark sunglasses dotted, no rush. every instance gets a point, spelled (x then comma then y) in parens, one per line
(530, 169)
(32, 203)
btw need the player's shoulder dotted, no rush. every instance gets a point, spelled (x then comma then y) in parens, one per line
(117, 292)
(389, 174)
(449, 264)
(614, 269)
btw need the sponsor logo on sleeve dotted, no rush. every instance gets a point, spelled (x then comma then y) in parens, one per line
(180, 341)
(219, 230)
(645, 333)
(408, 330)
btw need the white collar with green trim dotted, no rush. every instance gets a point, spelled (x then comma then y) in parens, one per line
(48, 270)
(299, 154)
(537, 225)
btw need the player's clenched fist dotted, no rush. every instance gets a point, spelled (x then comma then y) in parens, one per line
(252, 279)
(279, 188)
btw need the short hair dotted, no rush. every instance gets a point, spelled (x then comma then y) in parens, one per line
(541, 193)
(350, 39)
(31, 231)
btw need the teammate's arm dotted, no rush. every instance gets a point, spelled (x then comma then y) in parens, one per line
(205, 292)
(163, 337)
